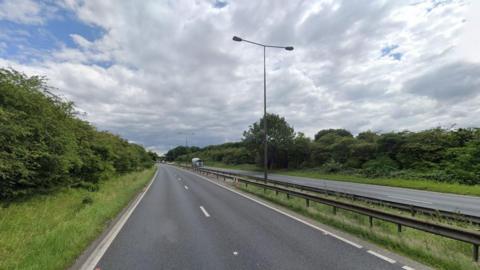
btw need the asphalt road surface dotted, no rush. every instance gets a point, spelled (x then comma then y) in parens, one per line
(187, 222)
(469, 205)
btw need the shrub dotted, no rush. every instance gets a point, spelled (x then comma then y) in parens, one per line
(381, 166)
(332, 166)
(43, 145)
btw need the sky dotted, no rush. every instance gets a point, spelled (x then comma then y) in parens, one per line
(156, 72)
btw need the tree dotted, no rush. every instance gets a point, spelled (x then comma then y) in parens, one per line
(336, 132)
(43, 145)
(299, 155)
(280, 139)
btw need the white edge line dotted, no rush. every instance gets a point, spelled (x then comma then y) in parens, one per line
(408, 268)
(281, 212)
(204, 211)
(186, 187)
(385, 258)
(98, 252)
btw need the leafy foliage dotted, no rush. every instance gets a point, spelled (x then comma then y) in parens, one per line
(451, 155)
(280, 137)
(43, 145)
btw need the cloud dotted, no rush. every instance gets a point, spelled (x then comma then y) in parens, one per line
(451, 83)
(163, 68)
(26, 11)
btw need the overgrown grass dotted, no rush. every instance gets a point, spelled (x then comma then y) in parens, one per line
(432, 250)
(419, 184)
(50, 231)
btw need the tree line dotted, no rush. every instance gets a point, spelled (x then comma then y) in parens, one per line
(447, 155)
(44, 145)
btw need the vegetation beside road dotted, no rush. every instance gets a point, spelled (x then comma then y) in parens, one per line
(438, 159)
(45, 146)
(50, 231)
(420, 184)
(432, 250)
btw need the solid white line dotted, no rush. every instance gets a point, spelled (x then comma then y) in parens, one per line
(283, 213)
(406, 199)
(204, 211)
(186, 187)
(408, 268)
(97, 254)
(345, 240)
(385, 258)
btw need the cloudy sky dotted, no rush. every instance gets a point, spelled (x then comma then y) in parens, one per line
(155, 70)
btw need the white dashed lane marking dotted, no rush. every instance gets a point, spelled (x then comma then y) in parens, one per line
(204, 211)
(385, 258)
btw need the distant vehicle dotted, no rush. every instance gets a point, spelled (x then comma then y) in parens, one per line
(196, 162)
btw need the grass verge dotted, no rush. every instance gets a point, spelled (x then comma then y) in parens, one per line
(432, 250)
(419, 184)
(50, 231)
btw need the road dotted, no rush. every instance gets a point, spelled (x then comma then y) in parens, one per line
(469, 205)
(187, 222)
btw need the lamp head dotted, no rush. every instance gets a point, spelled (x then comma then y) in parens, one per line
(235, 38)
(289, 48)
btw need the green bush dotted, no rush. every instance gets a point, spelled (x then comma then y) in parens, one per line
(43, 145)
(381, 166)
(332, 166)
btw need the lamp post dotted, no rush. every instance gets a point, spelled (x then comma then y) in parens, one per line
(265, 150)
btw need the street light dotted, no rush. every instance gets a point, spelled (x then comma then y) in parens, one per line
(288, 48)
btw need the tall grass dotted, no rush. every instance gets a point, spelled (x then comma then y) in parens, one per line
(50, 231)
(432, 250)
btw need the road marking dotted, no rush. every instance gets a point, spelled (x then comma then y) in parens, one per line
(98, 252)
(204, 211)
(235, 253)
(283, 213)
(186, 187)
(385, 258)
(408, 268)
(406, 199)
(179, 179)
(345, 240)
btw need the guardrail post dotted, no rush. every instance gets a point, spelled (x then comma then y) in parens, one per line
(288, 196)
(370, 219)
(276, 192)
(399, 227)
(475, 252)
(307, 202)
(334, 210)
